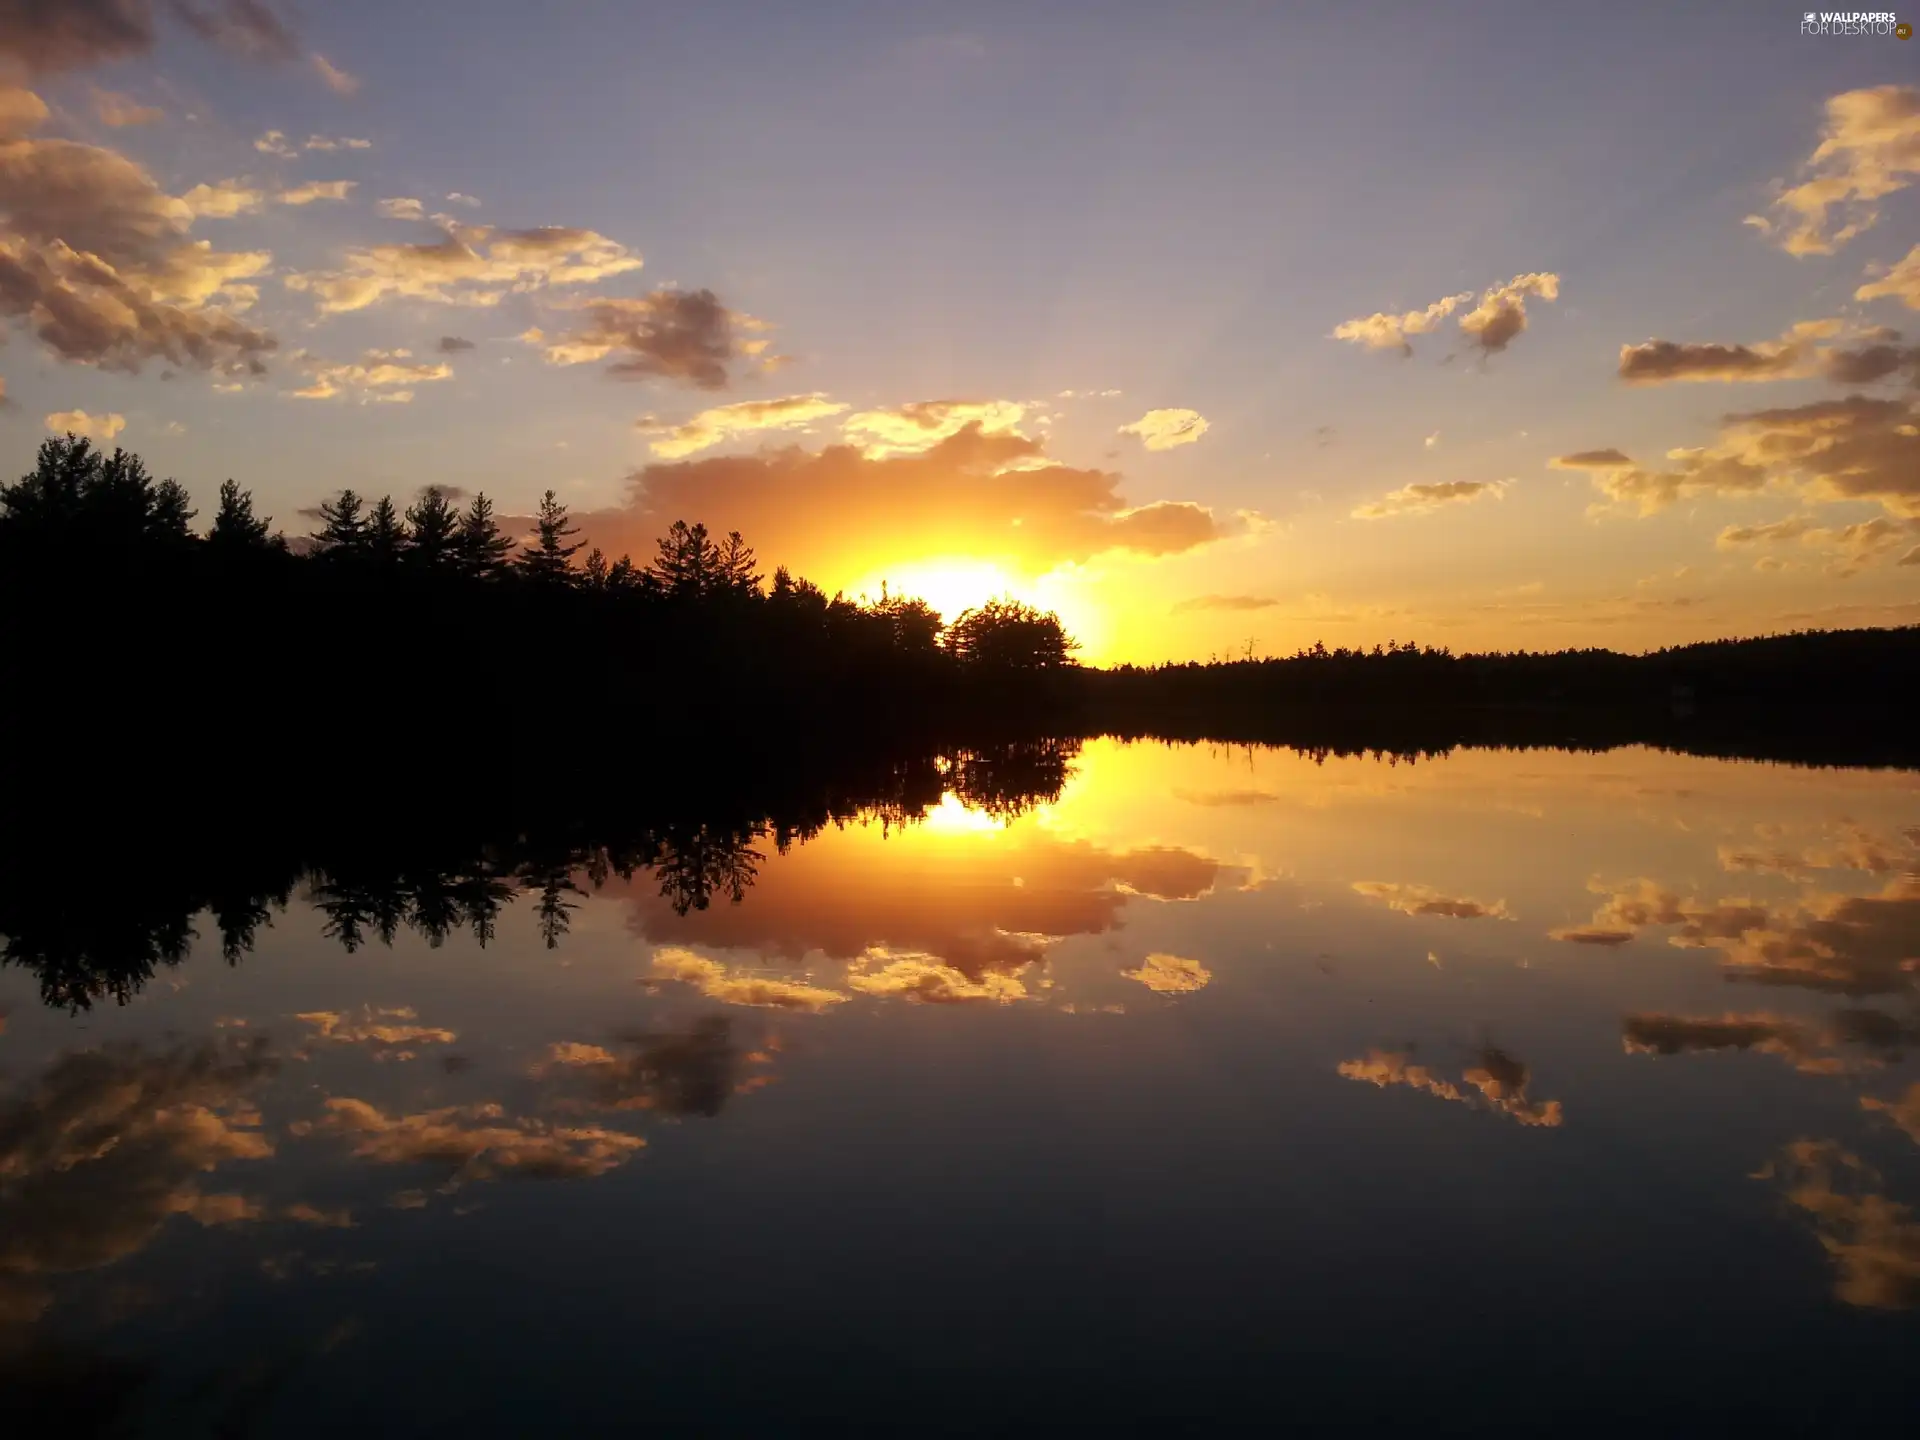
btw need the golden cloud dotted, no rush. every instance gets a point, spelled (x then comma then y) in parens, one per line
(687, 1073)
(1493, 324)
(1224, 602)
(1850, 548)
(920, 425)
(99, 1152)
(1422, 499)
(117, 111)
(688, 336)
(1382, 331)
(467, 265)
(723, 422)
(1165, 429)
(1901, 283)
(1425, 900)
(333, 77)
(1873, 1244)
(388, 1033)
(72, 34)
(474, 1142)
(400, 207)
(1170, 974)
(1498, 1083)
(313, 190)
(716, 982)
(79, 422)
(928, 980)
(1869, 149)
(830, 513)
(1799, 1044)
(379, 376)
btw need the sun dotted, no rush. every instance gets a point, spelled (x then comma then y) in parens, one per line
(954, 585)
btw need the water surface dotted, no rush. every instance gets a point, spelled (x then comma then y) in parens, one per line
(1224, 1085)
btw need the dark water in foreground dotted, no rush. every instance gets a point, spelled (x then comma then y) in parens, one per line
(1546, 1090)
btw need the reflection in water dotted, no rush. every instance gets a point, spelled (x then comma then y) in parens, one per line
(1028, 1009)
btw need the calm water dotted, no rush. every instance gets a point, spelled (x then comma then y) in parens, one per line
(1525, 1088)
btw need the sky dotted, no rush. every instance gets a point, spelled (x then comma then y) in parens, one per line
(1217, 331)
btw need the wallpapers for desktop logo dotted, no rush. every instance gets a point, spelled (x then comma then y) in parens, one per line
(1854, 22)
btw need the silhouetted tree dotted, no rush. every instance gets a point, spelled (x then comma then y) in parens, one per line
(481, 549)
(386, 532)
(688, 563)
(1006, 635)
(734, 561)
(597, 571)
(549, 560)
(234, 526)
(343, 527)
(432, 530)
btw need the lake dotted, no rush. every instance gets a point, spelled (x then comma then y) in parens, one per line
(1211, 1086)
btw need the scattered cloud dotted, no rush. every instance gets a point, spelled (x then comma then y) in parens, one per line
(314, 190)
(223, 200)
(716, 982)
(1425, 900)
(1495, 1082)
(1494, 322)
(1849, 548)
(1419, 499)
(386, 1032)
(456, 198)
(1165, 429)
(676, 1073)
(1872, 1242)
(474, 1142)
(452, 345)
(116, 110)
(336, 79)
(274, 142)
(329, 143)
(1801, 1045)
(723, 422)
(1171, 974)
(379, 376)
(73, 34)
(468, 265)
(928, 980)
(101, 428)
(920, 425)
(1869, 149)
(681, 335)
(400, 207)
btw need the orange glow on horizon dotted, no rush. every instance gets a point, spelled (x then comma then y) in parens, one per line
(955, 584)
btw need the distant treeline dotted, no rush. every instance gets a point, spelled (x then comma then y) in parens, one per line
(145, 645)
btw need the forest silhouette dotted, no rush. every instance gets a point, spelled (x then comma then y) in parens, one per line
(430, 653)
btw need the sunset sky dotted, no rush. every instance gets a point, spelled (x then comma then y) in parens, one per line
(1503, 326)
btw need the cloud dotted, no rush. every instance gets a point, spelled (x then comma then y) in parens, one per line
(400, 207)
(223, 200)
(681, 335)
(927, 980)
(1833, 943)
(387, 1032)
(1658, 362)
(381, 376)
(920, 425)
(1869, 149)
(1590, 460)
(452, 345)
(713, 980)
(1799, 1044)
(1872, 1243)
(94, 257)
(247, 28)
(106, 1146)
(1170, 974)
(1901, 283)
(474, 1142)
(991, 497)
(336, 79)
(1501, 315)
(79, 422)
(1425, 900)
(274, 142)
(467, 265)
(1495, 1082)
(454, 197)
(1697, 472)
(1493, 324)
(314, 190)
(1904, 1112)
(1164, 429)
(723, 422)
(1224, 602)
(328, 143)
(1850, 548)
(1390, 332)
(1419, 499)
(117, 111)
(677, 1073)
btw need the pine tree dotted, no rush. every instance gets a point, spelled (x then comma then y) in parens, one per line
(432, 530)
(597, 571)
(480, 549)
(170, 512)
(386, 532)
(235, 527)
(343, 526)
(688, 564)
(735, 561)
(624, 577)
(549, 559)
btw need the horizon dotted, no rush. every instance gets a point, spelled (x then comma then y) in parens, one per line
(976, 303)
